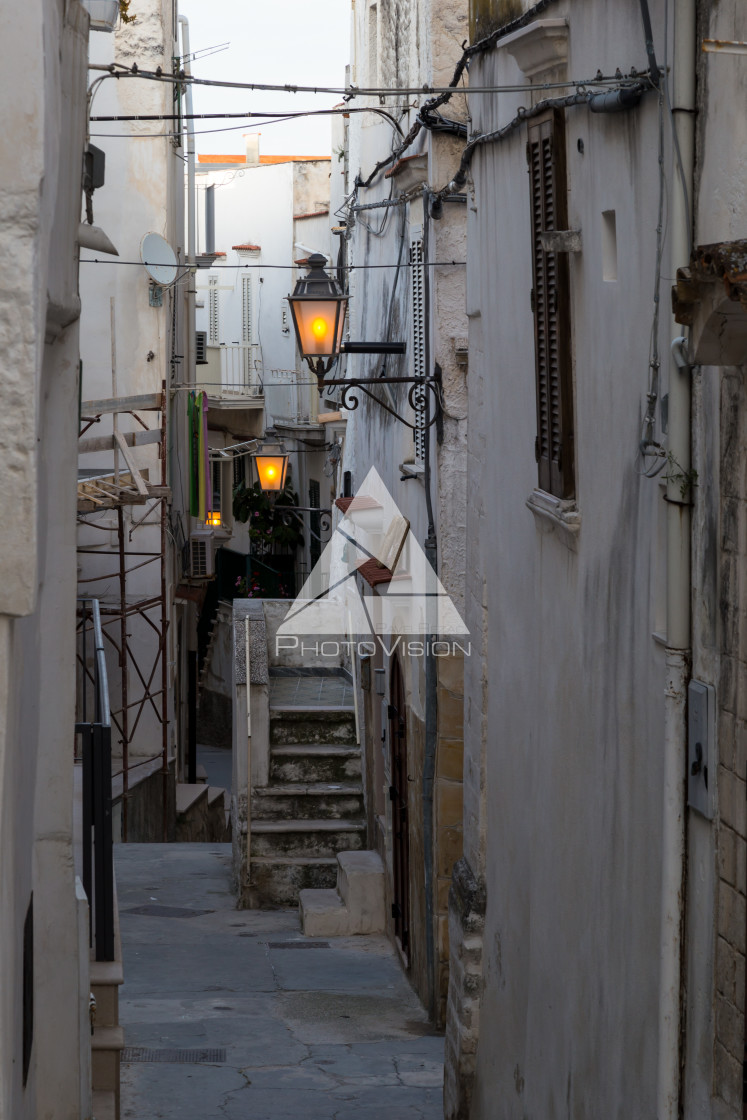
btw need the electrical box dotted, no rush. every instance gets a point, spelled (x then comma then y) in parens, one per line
(701, 761)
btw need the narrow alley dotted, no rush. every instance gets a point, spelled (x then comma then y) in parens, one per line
(240, 1015)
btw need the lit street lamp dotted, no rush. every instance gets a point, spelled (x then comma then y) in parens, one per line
(272, 465)
(318, 307)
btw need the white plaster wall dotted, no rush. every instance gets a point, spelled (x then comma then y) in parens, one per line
(39, 210)
(141, 195)
(564, 711)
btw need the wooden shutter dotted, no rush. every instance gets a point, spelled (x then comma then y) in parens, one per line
(551, 306)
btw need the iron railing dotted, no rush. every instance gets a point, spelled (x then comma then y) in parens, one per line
(94, 729)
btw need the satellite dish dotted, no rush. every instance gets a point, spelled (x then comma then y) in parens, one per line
(159, 259)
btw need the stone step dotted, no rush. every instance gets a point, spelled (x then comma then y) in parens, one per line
(323, 913)
(356, 906)
(278, 881)
(314, 762)
(200, 813)
(310, 838)
(104, 1106)
(107, 1044)
(312, 725)
(299, 800)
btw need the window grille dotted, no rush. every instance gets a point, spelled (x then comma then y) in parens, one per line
(550, 300)
(246, 309)
(417, 295)
(217, 473)
(213, 324)
(201, 348)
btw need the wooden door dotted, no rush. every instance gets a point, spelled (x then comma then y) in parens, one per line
(398, 797)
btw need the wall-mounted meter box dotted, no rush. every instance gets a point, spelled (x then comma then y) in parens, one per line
(701, 754)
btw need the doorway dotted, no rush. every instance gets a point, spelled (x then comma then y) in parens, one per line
(398, 797)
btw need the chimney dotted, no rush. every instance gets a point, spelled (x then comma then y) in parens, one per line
(251, 139)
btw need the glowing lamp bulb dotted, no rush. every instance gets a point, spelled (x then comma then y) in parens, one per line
(319, 327)
(270, 472)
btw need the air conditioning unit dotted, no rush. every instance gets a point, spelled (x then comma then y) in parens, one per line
(201, 348)
(201, 554)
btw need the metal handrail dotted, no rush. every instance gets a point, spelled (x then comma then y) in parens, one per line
(98, 865)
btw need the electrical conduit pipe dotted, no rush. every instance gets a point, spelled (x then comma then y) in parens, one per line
(678, 590)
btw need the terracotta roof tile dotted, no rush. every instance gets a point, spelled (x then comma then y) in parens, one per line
(311, 214)
(374, 572)
(247, 248)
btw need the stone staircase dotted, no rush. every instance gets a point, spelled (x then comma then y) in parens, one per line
(312, 806)
(202, 815)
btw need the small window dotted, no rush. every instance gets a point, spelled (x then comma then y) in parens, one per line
(216, 480)
(550, 298)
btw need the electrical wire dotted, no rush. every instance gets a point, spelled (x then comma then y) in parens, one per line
(288, 267)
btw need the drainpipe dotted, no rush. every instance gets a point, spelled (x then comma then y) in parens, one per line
(430, 548)
(187, 66)
(678, 588)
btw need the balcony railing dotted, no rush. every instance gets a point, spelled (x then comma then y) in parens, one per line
(93, 732)
(238, 370)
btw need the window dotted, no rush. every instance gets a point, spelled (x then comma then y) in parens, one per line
(554, 447)
(213, 325)
(216, 480)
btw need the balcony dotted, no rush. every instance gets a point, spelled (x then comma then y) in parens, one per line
(231, 375)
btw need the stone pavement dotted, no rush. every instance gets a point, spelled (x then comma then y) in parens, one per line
(256, 1021)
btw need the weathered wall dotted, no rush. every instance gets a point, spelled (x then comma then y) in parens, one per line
(40, 160)
(564, 691)
(717, 848)
(401, 42)
(141, 194)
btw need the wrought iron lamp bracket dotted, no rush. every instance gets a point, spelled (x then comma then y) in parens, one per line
(417, 396)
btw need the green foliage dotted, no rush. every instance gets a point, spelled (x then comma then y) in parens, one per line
(269, 530)
(124, 12)
(686, 480)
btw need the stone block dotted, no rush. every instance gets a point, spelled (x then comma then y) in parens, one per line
(323, 913)
(448, 803)
(739, 982)
(360, 883)
(726, 740)
(449, 849)
(731, 917)
(450, 715)
(729, 1026)
(450, 759)
(451, 674)
(727, 1078)
(740, 749)
(726, 962)
(727, 855)
(726, 791)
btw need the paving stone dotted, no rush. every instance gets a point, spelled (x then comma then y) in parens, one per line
(331, 1034)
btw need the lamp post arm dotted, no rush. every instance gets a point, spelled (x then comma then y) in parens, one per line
(374, 348)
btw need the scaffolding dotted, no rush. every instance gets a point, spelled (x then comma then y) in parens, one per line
(99, 491)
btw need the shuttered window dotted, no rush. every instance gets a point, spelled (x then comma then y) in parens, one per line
(554, 448)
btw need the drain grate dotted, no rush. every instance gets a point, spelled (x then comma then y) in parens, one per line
(166, 911)
(184, 1057)
(298, 944)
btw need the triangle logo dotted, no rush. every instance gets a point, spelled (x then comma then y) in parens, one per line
(401, 592)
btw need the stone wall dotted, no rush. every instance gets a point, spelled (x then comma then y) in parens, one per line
(731, 912)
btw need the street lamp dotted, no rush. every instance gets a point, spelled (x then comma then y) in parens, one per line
(272, 465)
(318, 306)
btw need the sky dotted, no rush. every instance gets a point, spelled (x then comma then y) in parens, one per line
(301, 42)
